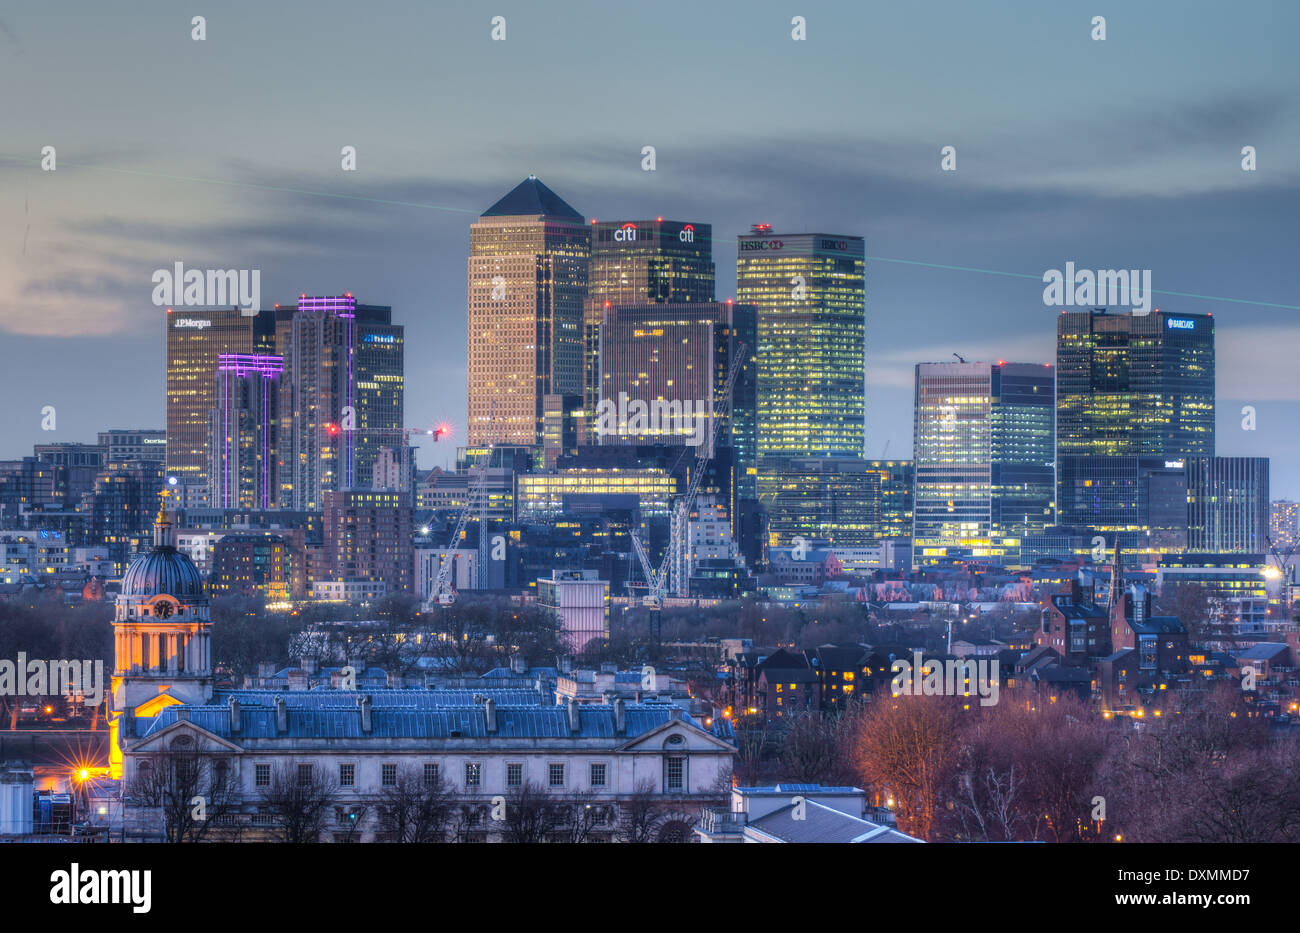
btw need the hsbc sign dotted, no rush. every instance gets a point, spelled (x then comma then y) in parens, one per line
(840, 245)
(747, 246)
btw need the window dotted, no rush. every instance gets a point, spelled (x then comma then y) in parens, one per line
(597, 775)
(556, 772)
(430, 774)
(388, 775)
(514, 775)
(262, 775)
(473, 773)
(304, 775)
(347, 775)
(674, 772)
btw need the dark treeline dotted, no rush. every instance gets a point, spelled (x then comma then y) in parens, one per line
(1034, 768)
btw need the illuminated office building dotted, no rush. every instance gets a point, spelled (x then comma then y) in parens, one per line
(982, 445)
(527, 285)
(1284, 523)
(541, 495)
(810, 292)
(641, 262)
(832, 500)
(657, 359)
(1139, 501)
(1227, 505)
(195, 342)
(1135, 385)
(245, 430)
(564, 427)
(896, 479)
(125, 444)
(342, 395)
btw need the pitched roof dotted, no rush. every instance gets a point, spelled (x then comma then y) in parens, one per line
(530, 198)
(258, 722)
(821, 823)
(1263, 651)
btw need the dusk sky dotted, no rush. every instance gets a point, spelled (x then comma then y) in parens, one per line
(225, 153)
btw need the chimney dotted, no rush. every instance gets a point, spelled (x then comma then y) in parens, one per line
(281, 716)
(518, 665)
(620, 717)
(490, 714)
(182, 714)
(363, 704)
(265, 670)
(236, 720)
(575, 718)
(309, 665)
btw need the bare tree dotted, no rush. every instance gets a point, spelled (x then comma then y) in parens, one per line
(468, 822)
(810, 749)
(908, 746)
(639, 813)
(530, 815)
(577, 816)
(299, 800)
(193, 793)
(752, 740)
(416, 809)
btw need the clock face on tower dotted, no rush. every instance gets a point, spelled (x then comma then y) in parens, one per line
(163, 610)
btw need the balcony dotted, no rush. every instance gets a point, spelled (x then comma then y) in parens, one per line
(715, 821)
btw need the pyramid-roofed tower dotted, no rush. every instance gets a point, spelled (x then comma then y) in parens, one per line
(531, 198)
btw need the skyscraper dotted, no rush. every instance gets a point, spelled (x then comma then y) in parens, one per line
(528, 262)
(642, 262)
(810, 292)
(1227, 505)
(1135, 385)
(983, 458)
(342, 395)
(836, 500)
(245, 431)
(195, 342)
(661, 358)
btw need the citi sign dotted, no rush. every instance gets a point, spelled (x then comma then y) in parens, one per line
(625, 234)
(751, 245)
(687, 234)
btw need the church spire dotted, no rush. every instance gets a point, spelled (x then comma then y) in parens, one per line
(1117, 582)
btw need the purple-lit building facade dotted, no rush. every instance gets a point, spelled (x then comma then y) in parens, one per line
(341, 397)
(244, 426)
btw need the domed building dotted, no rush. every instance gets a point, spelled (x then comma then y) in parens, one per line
(162, 633)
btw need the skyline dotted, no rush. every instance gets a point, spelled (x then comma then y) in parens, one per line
(1152, 181)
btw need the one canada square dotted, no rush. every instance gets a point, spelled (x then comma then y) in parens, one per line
(528, 261)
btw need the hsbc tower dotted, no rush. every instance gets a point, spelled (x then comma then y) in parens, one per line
(810, 292)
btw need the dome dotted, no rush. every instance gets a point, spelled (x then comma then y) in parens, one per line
(163, 570)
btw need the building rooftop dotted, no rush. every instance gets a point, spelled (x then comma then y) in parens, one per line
(531, 198)
(821, 824)
(343, 721)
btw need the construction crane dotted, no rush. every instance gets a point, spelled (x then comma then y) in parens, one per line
(657, 580)
(443, 592)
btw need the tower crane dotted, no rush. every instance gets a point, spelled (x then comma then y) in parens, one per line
(657, 579)
(443, 592)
